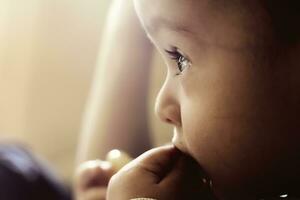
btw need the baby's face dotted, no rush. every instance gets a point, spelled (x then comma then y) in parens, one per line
(229, 106)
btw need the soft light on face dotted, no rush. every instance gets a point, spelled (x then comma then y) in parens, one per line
(226, 106)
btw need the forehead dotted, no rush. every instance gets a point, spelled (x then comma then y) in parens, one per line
(228, 23)
(184, 13)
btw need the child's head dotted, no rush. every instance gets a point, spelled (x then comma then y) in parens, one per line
(232, 90)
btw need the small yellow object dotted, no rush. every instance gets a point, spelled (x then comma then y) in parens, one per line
(118, 159)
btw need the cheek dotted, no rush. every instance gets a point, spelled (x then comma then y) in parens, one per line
(222, 145)
(220, 150)
(230, 124)
(236, 153)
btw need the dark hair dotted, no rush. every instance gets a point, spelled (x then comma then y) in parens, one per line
(285, 19)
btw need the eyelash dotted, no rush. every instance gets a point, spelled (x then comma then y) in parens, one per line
(182, 61)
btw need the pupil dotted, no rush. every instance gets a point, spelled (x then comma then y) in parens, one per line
(182, 62)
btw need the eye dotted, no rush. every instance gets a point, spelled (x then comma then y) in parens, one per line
(182, 61)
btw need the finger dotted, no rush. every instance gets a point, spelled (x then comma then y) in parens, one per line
(187, 175)
(95, 194)
(93, 174)
(157, 162)
(184, 168)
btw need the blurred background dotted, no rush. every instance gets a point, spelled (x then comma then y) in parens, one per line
(48, 52)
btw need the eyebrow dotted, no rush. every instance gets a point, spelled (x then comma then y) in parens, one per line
(159, 23)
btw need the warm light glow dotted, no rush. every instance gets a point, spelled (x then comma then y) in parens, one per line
(95, 164)
(284, 196)
(114, 154)
(118, 159)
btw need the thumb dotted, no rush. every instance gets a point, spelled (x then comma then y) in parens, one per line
(187, 178)
(185, 168)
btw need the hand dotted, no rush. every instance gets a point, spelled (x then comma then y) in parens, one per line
(91, 180)
(162, 173)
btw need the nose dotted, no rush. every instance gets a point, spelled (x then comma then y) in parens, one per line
(167, 106)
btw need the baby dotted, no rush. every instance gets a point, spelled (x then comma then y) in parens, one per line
(232, 93)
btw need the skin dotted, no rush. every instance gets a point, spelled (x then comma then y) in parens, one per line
(235, 108)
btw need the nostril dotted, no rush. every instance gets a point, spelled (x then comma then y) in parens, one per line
(172, 121)
(168, 121)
